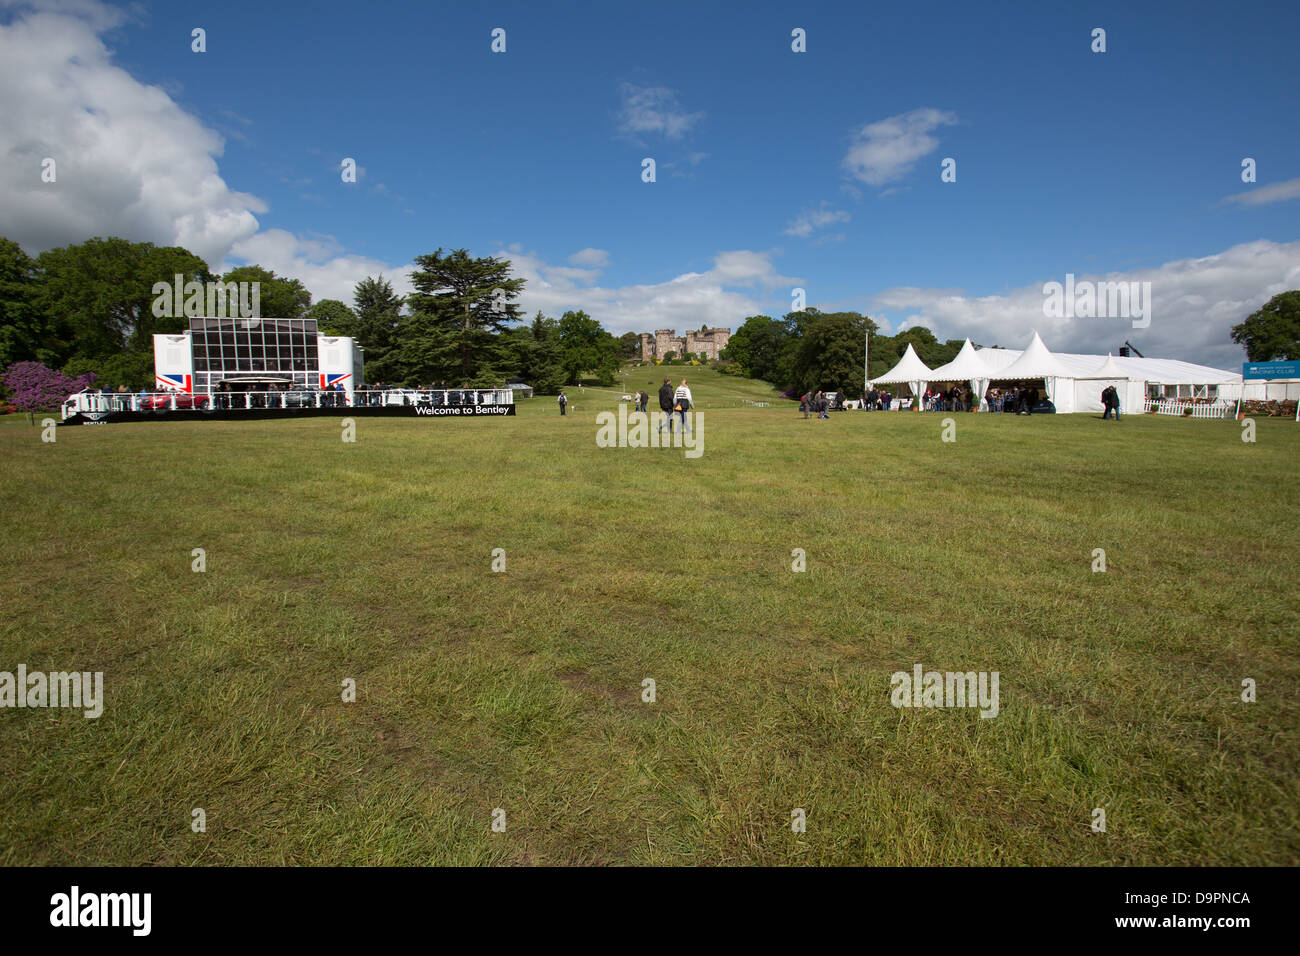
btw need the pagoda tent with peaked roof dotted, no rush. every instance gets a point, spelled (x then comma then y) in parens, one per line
(909, 371)
(1037, 364)
(967, 367)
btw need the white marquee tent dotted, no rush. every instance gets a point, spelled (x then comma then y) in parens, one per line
(1073, 382)
(967, 366)
(909, 371)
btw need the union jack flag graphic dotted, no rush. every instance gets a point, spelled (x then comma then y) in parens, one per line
(181, 382)
(330, 379)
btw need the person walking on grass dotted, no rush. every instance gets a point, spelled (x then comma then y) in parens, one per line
(682, 401)
(1110, 399)
(564, 402)
(666, 405)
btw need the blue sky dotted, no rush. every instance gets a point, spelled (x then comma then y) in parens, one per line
(774, 168)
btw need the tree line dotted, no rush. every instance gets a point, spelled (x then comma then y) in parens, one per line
(813, 350)
(88, 308)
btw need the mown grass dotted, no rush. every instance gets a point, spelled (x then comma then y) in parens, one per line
(522, 690)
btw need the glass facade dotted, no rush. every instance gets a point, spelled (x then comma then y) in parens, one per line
(276, 348)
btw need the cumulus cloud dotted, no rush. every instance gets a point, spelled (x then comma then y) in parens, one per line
(320, 264)
(590, 258)
(1195, 303)
(128, 160)
(886, 150)
(819, 217)
(654, 109)
(1277, 192)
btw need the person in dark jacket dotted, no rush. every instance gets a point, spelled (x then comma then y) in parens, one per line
(666, 405)
(564, 402)
(1110, 399)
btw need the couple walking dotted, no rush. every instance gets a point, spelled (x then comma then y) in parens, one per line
(674, 402)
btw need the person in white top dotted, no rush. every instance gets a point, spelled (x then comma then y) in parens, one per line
(682, 402)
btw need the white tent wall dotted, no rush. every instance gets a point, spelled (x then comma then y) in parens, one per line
(1283, 390)
(1087, 394)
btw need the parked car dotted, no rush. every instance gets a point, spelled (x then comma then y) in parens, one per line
(401, 396)
(160, 403)
(296, 398)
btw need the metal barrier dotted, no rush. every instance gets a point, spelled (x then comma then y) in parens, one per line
(97, 403)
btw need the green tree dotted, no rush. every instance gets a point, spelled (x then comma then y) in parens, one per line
(458, 309)
(629, 346)
(757, 346)
(333, 317)
(537, 358)
(378, 315)
(281, 297)
(829, 355)
(1273, 332)
(98, 296)
(22, 329)
(587, 347)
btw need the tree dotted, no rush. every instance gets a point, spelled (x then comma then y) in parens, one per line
(537, 356)
(281, 297)
(459, 307)
(378, 314)
(22, 329)
(1274, 331)
(629, 345)
(586, 347)
(34, 387)
(830, 355)
(757, 346)
(333, 317)
(98, 296)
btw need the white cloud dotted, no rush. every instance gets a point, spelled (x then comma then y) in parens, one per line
(886, 150)
(740, 283)
(818, 217)
(129, 161)
(1277, 192)
(590, 258)
(654, 109)
(320, 264)
(1195, 303)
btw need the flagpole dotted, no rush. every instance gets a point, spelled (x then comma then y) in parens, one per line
(866, 356)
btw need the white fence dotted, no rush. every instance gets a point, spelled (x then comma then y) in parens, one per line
(91, 402)
(1164, 406)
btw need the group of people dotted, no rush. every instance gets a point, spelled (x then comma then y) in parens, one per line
(877, 400)
(955, 399)
(673, 402)
(818, 403)
(1020, 399)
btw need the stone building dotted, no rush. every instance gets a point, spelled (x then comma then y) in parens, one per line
(707, 342)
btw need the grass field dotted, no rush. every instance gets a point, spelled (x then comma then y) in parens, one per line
(522, 690)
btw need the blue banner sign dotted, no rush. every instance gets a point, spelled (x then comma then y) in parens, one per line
(1270, 370)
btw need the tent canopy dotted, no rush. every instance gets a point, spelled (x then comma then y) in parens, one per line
(1109, 370)
(1034, 362)
(967, 365)
(910, 370)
